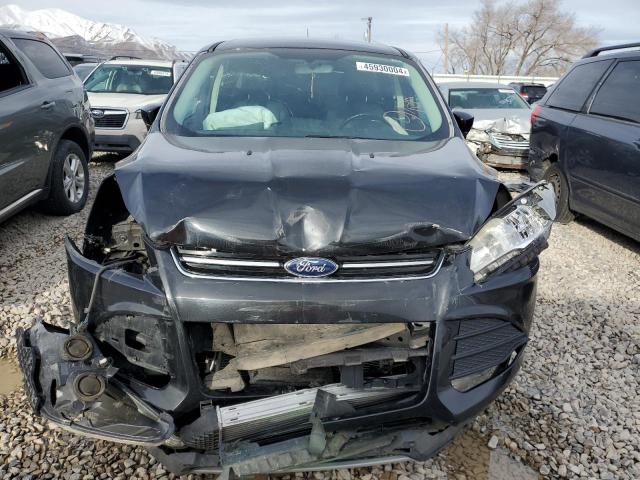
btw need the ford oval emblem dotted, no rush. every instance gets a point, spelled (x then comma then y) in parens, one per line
(310, 267)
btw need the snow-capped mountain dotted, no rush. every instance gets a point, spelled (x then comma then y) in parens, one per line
(73, 33)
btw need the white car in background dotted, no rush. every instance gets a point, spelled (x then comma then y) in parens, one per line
(502, 121)
(118, 89)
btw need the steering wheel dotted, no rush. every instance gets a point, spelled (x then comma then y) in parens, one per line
(283, 108)
(363, 116)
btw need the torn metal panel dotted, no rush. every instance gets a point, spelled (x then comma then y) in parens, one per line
(504, 161)
(223, 340)
(316, 195)
(262, 346)
(502, 141)
(286, 375)
(514, 124)
(229, 377)
(356, 357)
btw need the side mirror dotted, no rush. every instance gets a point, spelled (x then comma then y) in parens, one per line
(149, 113)
(464, 121)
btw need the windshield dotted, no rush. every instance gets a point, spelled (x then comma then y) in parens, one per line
(485, 98)
(84, 69)
(306, 93)
(138, 79)
(534, 90)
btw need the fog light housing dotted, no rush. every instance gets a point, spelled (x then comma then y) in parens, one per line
(89, 386)
(464, 384)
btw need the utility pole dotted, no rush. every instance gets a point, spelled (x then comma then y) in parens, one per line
(369, 20)
(446, 48)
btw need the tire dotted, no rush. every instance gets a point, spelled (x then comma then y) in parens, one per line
(69, 185)
(555, 177)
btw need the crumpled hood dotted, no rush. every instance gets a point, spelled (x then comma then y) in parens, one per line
(130, 101)
(514, 121)
(323, 196)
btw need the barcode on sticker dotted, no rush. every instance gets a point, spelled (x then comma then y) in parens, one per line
(377, 67)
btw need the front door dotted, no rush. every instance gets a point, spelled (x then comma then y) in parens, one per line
(19, 110)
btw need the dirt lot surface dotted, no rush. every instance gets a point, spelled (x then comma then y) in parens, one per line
(573, 411)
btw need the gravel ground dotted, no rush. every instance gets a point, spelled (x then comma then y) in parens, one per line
(574, 410)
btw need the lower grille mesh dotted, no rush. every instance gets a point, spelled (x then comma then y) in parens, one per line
(111, 121)
(483, 343)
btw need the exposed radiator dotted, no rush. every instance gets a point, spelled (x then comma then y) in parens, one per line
(291, 411)
(279, 414)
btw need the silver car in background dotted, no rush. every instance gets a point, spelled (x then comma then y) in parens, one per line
(501, 127)
(118, 89)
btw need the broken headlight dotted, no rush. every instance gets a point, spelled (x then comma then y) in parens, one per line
(523, 225)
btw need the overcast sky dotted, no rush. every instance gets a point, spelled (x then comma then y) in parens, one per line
(412, 24)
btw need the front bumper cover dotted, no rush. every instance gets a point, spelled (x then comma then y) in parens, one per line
(106, 141)
(500, 160)
(81, 393)
(165, 304)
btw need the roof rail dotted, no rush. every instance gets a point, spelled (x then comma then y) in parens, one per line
(597, 51)
(116, 57)
(404, 53)
(210, 48)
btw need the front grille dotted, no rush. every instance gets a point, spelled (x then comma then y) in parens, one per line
(483, 343)
(358, 268)
(510, 144)
(111, 119)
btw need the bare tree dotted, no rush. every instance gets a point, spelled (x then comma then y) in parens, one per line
(531, 37)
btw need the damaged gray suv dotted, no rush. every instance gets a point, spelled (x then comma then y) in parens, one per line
(302, 267)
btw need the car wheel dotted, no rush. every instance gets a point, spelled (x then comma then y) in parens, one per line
(69, 186)
(555, 177)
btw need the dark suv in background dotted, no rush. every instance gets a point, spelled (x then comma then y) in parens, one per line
(531, 92)
(585, 139)
(46, 130)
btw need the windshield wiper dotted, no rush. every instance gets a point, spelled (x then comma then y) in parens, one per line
(329, 136)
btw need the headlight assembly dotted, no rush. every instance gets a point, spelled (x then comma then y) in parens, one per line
(521, 226)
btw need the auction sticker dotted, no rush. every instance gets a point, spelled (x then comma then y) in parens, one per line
(379, 68)
(160, 73)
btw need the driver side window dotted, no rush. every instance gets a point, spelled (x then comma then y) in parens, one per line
(11, 74)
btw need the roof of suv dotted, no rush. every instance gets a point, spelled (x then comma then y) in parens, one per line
(258, 43)
(611, 51)
(146, 63)
(451, 85)
(14, 33)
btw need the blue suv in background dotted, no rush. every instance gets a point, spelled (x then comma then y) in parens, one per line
(585, 139)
